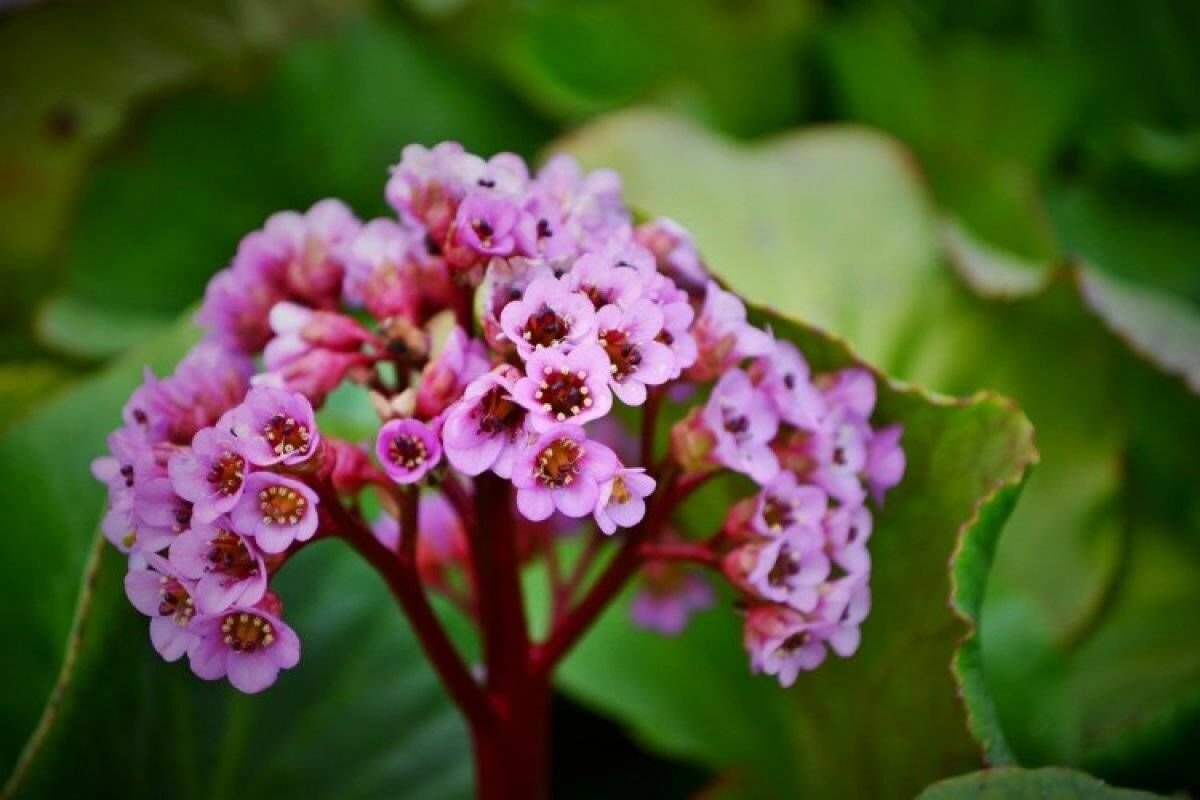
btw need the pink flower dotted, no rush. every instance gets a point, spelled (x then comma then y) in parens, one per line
(455, 361)
(788, 569)
(565, 387)
(486, 428)
(235, 308)
(209, 381)
(428, 184)
(227, 567)
(847, 529)
(622, 500)
(274, 426)
(636, 358)
(603, 281)
(246, 644)
(161, 514)
(885, 461)
(782, 642)
(160, 593)
(561, 470)
(723, 335)
(743, 423)
(549, 315)
(505, 281)
(388, 268)
(667, 596)
(485, 225)
(408, 449)
(783, 376)
(784, 504)
(275, 511)
(675, 252)
(210, 474)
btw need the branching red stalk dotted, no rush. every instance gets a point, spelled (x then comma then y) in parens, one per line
(400, 573)
(693, 552)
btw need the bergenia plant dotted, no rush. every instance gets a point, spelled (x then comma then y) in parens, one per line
(553, 382)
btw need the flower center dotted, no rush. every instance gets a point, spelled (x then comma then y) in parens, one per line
(546, 328)
(228, 554)
(735, 423)
(564, 393)
(183, 516)
(281, 505)
(620, 492)
(795, 642)
(558, 464)
(483, 229)
(245, 633)
(622, 353)
(498, 413)
(777, 514)
(408, 451)
(286, 435)
(598, 296)
(226, 473)
(785, 567)
(174, 601)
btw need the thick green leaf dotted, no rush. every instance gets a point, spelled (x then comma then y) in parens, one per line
(834, 227)
(120, 717)
(1019, 784)
(820, 204)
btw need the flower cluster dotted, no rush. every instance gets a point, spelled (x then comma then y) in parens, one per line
(499, 321)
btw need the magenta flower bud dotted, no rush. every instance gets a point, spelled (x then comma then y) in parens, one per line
(636, 358)
(743, 423)
(622, 500)
(313, 374)
(408, 449)
(667, 596)
(160, 593)
(227, 568)
(565, 387)
(302, 253)
(548, 315)
(486, 428)
(210, 474)
(275, 511)
(562, 470)
(292, 322)
(235, 308)
(246, 644)
(273, 426)
(352, 467)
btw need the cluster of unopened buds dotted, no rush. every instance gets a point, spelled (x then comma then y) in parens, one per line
(524, 344)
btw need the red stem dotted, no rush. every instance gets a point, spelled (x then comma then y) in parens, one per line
(680, 551)
(405, 585)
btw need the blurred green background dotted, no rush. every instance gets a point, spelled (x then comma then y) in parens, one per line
(1022, 215)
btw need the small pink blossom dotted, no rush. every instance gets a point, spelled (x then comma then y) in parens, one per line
(210, 474)
(160, 593)
(548, 316)
(408, 449)
(561, 470)
(637, 359)
(486, 429)
(723, 336)
(565, 387)
(667, 596)
(226, 567)
(274, 426)
(743, 423)
(275, 511)
(622, 500)
(247, 644)
(456, 360)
